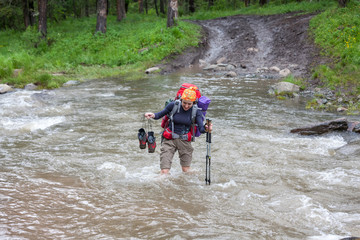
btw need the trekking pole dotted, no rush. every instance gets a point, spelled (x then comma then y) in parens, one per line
(208, 152)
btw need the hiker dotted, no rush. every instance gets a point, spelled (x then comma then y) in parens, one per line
(178, 135)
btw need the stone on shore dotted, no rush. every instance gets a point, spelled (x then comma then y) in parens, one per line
(30, 86)
(284, 87)
(153, 69)
(230, 67)
(274, 69)
(231, 74)
(211, 67)
(202, 63)
(4, 88)
(17, 72)
(285, 72)
(221, 60)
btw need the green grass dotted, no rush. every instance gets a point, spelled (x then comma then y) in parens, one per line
(72, 47)
(293, 80)
(337, 31)
(220, 9)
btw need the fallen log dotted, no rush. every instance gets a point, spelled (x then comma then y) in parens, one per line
(340, 124)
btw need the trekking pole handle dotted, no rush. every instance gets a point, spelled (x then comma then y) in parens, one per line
(208, 135)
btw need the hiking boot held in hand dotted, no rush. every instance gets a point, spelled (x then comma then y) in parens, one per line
(151, 142)
(142, 138)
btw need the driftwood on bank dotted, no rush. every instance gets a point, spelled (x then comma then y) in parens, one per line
(340, 124)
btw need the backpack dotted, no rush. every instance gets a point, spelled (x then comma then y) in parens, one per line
(201, 103)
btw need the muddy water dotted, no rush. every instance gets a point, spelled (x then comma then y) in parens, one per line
(71, 167)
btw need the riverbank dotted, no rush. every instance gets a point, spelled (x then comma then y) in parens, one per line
(318, 51)
(321, 55)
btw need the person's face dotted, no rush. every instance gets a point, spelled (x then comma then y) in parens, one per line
(186, 104)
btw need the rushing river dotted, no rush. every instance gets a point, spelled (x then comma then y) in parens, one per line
(71, 166)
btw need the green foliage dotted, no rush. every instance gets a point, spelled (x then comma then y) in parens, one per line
(43, 79)
(224, 8)
(72, 46)
(337, 31)
(6, 68)
(10, 16)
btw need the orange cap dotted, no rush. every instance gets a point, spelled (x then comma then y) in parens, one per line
(189, 94)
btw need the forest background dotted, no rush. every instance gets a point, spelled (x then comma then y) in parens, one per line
(48, 42)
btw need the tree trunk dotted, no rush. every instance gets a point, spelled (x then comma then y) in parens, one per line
(192, 6)
(247, 3)
(74, 9)
(141, 6)
(126, 6)
(342, 3)
(120, 10)
(101, 16)
(210, 3)
(87, 14)
(162, 8)
(31, 12)
(262, 2)
(26, 13)
(156, 8)
(123, 8)
(172, 14)
(42, 17)
(107, 7)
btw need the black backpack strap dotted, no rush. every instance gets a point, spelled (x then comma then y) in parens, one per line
(195, 108)
(176, 109)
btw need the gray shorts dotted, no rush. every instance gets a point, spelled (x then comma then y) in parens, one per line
(168, 150)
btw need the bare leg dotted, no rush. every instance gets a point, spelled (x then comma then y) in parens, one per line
(165, 171)
(185, 169)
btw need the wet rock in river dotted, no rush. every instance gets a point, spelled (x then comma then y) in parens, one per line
(44, 96)
(354, 127)
(71, 83)
(340, 124)
(353, 148)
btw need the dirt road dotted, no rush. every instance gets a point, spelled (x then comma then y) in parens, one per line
(251, 42)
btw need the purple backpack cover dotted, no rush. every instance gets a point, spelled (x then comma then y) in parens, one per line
(203, 104)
